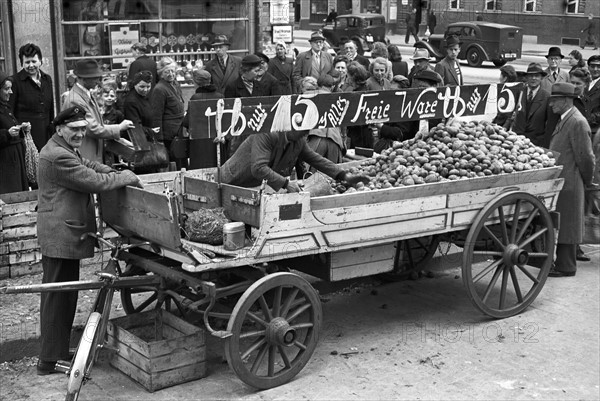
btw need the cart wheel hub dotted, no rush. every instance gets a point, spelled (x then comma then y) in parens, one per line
(513, 255)
(279, 332)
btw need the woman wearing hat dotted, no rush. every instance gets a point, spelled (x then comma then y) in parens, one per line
(205, 90)
(13, 176)
(142, 62)
(167, 104)
(571, 139)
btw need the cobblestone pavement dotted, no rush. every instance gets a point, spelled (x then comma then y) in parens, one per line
(418, 339)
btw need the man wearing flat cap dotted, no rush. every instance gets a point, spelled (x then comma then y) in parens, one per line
(65, 212)
(570, 138)
(265, 83)
(313, 62)
(142, 63)
(554, 73)
(449, 67)
(533, 117)
(224, 68)
(89, 76)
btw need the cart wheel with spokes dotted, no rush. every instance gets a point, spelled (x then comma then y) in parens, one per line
(275, 328)
(520, 233)
(84, 356)
(140, 299)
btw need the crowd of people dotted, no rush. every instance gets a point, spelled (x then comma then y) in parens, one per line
(558, 108)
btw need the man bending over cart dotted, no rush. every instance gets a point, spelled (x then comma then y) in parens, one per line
(65, 212)
(271, 156)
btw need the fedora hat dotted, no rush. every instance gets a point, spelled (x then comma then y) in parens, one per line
(429, 76)
(316, 36)
(452, 40)
(563, 89)
(420, 54)
(87, 69)
(535, 68)
(554, 52)
(221, 40)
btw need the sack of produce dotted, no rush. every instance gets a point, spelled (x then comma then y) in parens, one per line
(206, 226)
(318, 185)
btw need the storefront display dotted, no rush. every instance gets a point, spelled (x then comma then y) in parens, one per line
(181, 29)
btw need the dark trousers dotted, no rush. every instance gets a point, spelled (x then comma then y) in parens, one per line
(411, 30)
(57, 309)
(566, 258)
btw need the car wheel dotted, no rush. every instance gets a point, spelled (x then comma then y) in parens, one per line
(499, 63)
(474, 57)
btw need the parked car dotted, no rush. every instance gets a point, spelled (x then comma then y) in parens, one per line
(362, 29)
(482, 41)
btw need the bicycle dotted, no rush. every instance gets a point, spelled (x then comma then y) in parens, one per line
(94, 334)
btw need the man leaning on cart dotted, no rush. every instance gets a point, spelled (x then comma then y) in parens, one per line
(271, 156)
(65, 212)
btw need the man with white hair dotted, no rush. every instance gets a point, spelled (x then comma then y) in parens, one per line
(281, 67)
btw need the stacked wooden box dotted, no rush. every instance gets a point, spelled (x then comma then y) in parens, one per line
(157, 349)
(19, 250)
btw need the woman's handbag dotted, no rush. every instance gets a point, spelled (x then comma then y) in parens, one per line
(32, 158)
(156, 157)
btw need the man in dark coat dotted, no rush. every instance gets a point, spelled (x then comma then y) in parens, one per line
(271, 156)
(411, 26)
(142, 63)
(32, 99)
(431, 22)
(281, 67)
(65, 212)
(352, 54)
(449, 67)
(533, 117)
(265, 83)
(224, 68)
(592, 94)
(571, 138)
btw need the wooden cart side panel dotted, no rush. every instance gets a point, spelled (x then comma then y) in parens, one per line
(446, 187)
(241, 204)
(133, 212)
(198, 194)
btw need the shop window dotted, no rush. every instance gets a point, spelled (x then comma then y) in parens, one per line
(530, 5)
(573, 7)
(318, 11)
(182, 29)
(455, 4)
(493, 5)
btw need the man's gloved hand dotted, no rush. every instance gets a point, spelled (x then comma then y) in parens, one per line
(353, 179)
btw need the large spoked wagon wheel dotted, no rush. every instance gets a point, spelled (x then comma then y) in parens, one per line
(518, 234)
(84, 356)
(275, 328)
(140, 299)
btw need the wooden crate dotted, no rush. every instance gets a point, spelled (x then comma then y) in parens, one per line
(19, 249)
(157, 349)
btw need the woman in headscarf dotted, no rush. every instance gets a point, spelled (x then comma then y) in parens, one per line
(13, 175)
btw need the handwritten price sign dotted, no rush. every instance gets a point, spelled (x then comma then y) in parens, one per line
(219, 118)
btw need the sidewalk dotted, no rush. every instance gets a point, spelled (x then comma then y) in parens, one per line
(529, 49)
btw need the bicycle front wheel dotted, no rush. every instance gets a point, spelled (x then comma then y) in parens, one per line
(84, 356)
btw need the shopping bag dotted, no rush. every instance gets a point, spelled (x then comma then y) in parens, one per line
(32, 158)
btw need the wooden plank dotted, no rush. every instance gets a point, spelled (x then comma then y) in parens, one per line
(166, 346)
(121, 335)
(181, 325)
(24, 269)
(135, 212)
(241, 204)
(208, 192)
(17, 220)
(178, 358)
(4, 272)
(22, 257)
(17, 208)
(362, 255)
(19, 233)
(18, 197)
(121, 363)
(180, 375)
(23, 245)
(4, 248)
(362, 270)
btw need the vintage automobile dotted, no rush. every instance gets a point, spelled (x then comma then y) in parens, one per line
(481, 41)
(362, 29)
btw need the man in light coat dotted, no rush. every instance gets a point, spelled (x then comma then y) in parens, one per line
(571, 138)
(224, 69)
(88, 77)
(65, 212)
(554, 73)
(312, 63)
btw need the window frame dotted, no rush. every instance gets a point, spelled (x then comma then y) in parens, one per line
(534, 8)
(577, 5)
(458, 4)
